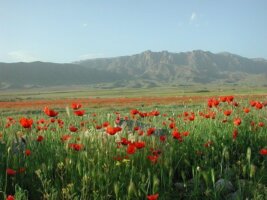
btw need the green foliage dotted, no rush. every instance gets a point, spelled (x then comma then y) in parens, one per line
(208, 163)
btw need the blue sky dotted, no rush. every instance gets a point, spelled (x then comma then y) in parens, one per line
(71, 30)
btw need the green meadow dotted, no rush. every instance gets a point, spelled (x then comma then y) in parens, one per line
(215, 149)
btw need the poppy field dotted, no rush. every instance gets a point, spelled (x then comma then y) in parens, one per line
(215, 149)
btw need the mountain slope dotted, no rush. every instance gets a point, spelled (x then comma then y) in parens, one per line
(195, 66)
(40, 74)
(147, 69)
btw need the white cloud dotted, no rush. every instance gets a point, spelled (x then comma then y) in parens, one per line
(193, 16)
(85, 25)
(21, 56)
(90, 56)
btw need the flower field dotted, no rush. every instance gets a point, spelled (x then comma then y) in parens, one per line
(216, 149)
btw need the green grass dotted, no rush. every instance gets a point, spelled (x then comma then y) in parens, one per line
(185, 169)
(164, 90)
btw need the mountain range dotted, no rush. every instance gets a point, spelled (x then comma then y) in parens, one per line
(147, 69)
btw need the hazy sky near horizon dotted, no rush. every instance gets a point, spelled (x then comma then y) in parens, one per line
(71, 30)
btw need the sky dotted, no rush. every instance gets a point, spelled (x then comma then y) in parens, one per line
(70, 30)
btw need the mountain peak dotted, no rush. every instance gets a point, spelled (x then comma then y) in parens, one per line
(147, 52)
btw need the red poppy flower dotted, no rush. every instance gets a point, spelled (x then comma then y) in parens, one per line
(177, 135)
(212, 102)
(76, 147)
(185, 114)
(153, 196)
(136, 128)
(134, 112)
(156, 152)
(118, 128)
(27, 152)
(263, 152)
(79, 112)
(235, 134)
(41, 121)
(207, 116)
(227, 112)
(215, 102)
(73, 128)
(172, 125)
(98, 127)
(111, 130)
(153, 158)
(246, 110)
(131, 149)
(7, 125)
(76, 106)
(10, 197)
(140, 132)
(162, 138)
(155, 113)
(223, 99)
(253, 103)
(10, 172)
(50, 113)
(124, 141)
(259, 105)
(10, 118)
(186, 133)
(40, 138)
(65, 138)
(230, 98)
(150, 131)
(60, 122)
(261, 124)
(191, 117)
(237, 121)
(235, 104)
(105, 124)
(26, 123)
(142, 114)
(140, 144)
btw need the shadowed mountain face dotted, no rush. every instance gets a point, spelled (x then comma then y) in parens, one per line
(40, 74)
(151, 67)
